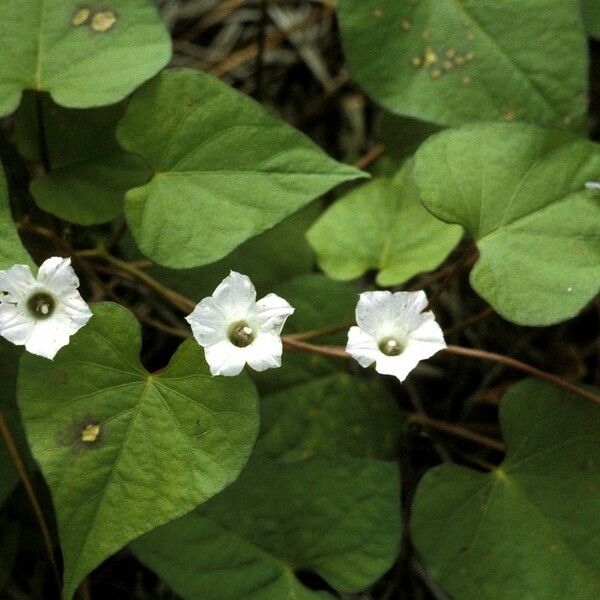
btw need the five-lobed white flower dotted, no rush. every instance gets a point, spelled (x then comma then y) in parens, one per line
(235, 329)
(393, 332)
(41, 314)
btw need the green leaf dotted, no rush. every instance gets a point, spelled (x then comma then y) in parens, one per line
(44, 49)
(224, 169)
(166, 441)
(591, 17)
(310, 499)
(519, 191)
(530, 528)
(11, 249)
(381, 225)
(451, 61)
(269, 258)
(90, 173)
(338, 518)
(332, 415)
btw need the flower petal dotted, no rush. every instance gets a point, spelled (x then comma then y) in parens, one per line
(407, 307)
(16, 283)
(74, 307)
(374, 311)
(398, 366)
(272, 312)
(265, 352)
(235, 296)
(209, 325)
(49, 336)
(15, 325)
(427, 340)
(224, 358)
(362, 346)
(57, 275)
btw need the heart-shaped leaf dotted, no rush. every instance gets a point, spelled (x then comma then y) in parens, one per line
(381, 225)
(224, 169)
(83, 53)
(452, 61)
(315, 497)
(11, 248)
(123, 450)
(519, 191)
(338, 518)
(531, 527)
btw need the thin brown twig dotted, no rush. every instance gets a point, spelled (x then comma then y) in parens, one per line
(214, 17)
(315, 333)
(525, 368)
(250, 52)
(370, 157)
(30, 492)
(458, 431)
(160, 326)
(295, 344)
(472, 320)
(181, 302)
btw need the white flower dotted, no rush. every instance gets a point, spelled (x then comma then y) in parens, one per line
(235, 329)
(592, 185)
(41, 314)
(393, 332)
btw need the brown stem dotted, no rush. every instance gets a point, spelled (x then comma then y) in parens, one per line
(472, 320)
(458, 431)
(295, 344)
(35, 505)
(315, 333)
(524, 367)
(250, 52)
(370, 157)
(176, 299)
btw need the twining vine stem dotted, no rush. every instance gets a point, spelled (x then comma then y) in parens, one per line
(297, 341)
(35, 505)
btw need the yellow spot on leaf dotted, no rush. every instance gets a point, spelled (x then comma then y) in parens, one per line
(460, 59)
(451, 53)
(405, 24)
(469, 56)
(416, 61)
(103, 21)
(90, 434)
(377, 13)
(448, 65)
(465, 79)
(510, 113)
(425, 34)
(81, 16)
(430, 56)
